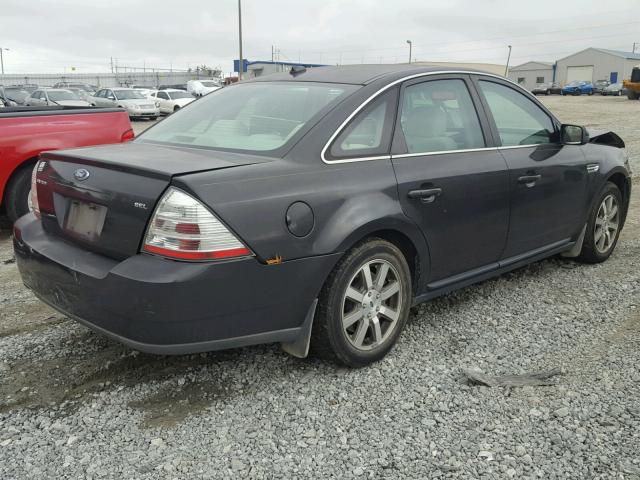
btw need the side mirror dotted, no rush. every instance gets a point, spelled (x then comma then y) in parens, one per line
(573, 135)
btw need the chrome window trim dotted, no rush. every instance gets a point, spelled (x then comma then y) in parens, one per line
(357, 159)
(444, 152)
(373, 96)
(511, 147)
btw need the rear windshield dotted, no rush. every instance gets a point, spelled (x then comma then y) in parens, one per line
(251, 117)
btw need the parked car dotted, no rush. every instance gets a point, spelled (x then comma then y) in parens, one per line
(577, 88)
(55, 96)
(28, 131)
(616, 89)
(600, 85)
(131, 100)
(13, 94)
(171, 100)
(315, 208)
(90, 89)
(542, 88)
(200, 88)
(555, 88)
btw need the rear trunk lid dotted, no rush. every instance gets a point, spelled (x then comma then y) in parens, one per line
(103, 197)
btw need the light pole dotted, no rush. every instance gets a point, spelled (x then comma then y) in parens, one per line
(240, 63)
(506, 68)
(2, 59)
(410, 45)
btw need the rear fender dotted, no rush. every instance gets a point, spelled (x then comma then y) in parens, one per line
(369, 215)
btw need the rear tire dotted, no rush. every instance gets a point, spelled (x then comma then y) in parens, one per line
(603, 226)
(360, 316)
(16, 195)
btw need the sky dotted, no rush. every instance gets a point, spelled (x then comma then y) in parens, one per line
(52, 36)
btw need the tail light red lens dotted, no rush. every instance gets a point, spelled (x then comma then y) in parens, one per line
(127, 136)
(183, 228)
(34, 206)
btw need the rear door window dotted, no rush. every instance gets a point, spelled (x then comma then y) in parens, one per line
(439, 115)
(518, 119)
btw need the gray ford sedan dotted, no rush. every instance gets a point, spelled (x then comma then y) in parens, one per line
(314, 208)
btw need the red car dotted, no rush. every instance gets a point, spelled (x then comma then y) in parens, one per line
(26, 132)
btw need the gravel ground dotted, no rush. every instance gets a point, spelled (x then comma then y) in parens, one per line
(75, 405)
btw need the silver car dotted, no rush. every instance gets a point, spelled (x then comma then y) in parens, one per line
(134, 102)
(55, 96)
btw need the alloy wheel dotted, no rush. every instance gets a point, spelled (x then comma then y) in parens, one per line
(372, 304)
(607, 224)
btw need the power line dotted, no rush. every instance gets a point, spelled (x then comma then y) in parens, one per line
(506, 37)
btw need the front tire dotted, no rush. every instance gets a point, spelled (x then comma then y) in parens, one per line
(603, 227)
(364, 305)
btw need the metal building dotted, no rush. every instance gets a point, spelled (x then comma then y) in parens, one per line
(258, 68)
(596, 64)
(531, 73)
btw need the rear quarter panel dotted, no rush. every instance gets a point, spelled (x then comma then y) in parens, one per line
(349, 202)
(24, 138)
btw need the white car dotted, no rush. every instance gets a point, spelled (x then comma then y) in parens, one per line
(200, 88)
(134, 102)
(55, 96)
(171, 99)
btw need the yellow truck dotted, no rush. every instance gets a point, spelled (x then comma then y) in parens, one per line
(633, 85)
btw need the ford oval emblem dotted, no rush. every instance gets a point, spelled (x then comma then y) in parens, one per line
(81, 174)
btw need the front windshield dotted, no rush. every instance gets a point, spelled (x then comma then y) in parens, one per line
(59, 95)
(128, 95)
(176, 95)
(16, 94)
(575, 83)
(210, 83)
(251, 117)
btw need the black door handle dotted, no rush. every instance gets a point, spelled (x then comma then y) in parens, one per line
(427, 196)
(529, 180)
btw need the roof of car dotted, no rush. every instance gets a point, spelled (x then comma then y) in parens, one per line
(357, 74)
(171, 90)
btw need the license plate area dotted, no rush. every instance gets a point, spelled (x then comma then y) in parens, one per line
(85, 220)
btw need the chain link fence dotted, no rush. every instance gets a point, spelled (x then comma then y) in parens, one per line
(149, 78)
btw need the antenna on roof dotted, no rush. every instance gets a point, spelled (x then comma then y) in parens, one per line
(297, 69)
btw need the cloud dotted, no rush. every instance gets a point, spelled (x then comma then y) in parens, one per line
(51, 35)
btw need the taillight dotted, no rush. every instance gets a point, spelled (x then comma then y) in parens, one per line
(183, 228)
(34, 206)
(127, 136)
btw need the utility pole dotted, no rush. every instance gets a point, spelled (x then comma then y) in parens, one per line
(2, 59)
(410, 48)
(634, 46)
(506, 68)
(240, 62)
